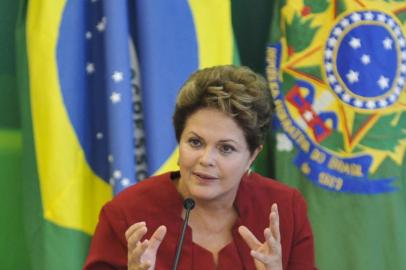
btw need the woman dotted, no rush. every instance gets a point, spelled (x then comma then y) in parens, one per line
(241, 220)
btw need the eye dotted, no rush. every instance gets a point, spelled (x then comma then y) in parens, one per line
(195, 142)
(226, 148)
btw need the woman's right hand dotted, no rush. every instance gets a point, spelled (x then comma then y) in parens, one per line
(142, 255)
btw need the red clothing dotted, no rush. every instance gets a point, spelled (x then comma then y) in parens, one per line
(157, 202)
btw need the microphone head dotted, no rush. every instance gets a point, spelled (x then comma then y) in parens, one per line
(189, 204)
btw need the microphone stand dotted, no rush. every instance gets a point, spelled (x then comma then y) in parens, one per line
(188, 204)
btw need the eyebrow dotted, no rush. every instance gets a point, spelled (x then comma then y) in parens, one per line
(221, 141)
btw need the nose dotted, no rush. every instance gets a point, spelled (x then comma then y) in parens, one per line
(207, 157)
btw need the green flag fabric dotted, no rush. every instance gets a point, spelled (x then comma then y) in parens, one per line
(12, 241)
(337, 73)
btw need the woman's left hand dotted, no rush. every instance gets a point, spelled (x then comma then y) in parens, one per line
(267, 255)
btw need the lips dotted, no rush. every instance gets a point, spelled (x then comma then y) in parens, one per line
(204, 176)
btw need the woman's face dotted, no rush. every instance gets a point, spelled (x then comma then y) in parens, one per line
(213, 156)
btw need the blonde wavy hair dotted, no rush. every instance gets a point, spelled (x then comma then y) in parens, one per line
(237, 91)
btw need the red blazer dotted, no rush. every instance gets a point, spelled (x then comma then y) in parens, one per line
(157, 202)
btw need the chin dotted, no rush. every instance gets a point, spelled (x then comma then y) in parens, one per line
(211, 194)
(204, 193)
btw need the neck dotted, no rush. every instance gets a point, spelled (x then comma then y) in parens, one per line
(213, 219)
(217, 205)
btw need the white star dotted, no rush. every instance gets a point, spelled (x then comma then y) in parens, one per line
(337, 31)
(328, 54)
(383, 103)
(391, 22)
(117, 174)
(365, 59)
(329, 66)
(345, 22)
(338, 89)
(398, 32)
(355, 43)
(125, 182)
(110, 158)
(381, 18)
(115, 97)
(332, 41)
(369, 16)
(308, 116)
(117, 76)
(101, 26)
(370, 104)
(283, 143)
(383, 82)
(352, 76)
(331, 78)
(402, 42)
(387, 43)
(88, 35)
(356, 17)
(346, 97)
(398, 90)
(99, 135)
(392, 98)
(358, 103)
(90, 68)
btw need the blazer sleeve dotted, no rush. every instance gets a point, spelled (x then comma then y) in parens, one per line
(108, 249)
(302, 253)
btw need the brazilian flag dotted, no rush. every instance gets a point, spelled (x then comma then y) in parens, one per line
(96, 83)
(337, 73)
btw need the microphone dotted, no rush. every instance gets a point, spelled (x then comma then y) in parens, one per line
(188, 204)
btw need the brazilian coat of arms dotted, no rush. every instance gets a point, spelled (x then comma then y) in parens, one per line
(339, 93)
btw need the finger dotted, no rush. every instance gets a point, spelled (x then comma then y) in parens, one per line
(274, 222)
(136, 237)
(249, 237)
(265, 259)
(273, 244)
(134, 255)
(156, 238)
(143, 266)
(133, 228)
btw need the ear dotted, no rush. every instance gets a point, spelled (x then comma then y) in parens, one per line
(254, 155)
